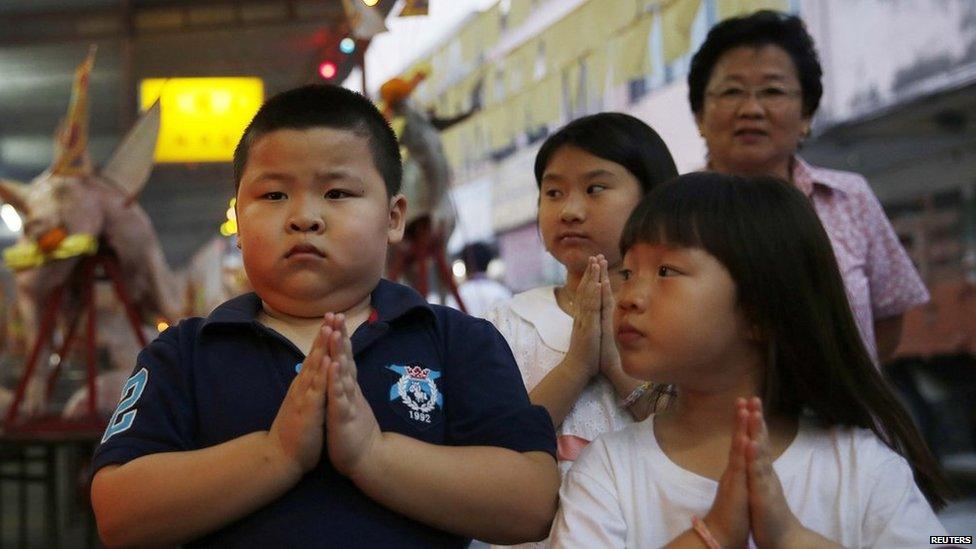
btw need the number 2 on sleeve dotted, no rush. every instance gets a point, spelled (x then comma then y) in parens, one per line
(124, 415)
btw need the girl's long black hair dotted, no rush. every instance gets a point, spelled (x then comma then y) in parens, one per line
(766, 233)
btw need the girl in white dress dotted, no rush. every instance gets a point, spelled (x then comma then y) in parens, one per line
(730, 291)
(591, 173)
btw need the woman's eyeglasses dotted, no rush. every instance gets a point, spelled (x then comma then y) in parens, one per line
(770, 97)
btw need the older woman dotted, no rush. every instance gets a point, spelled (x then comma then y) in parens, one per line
(754, 86)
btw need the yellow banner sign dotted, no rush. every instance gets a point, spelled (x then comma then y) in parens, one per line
(202, 118)
(414, 7)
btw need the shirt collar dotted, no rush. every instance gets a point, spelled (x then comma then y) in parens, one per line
(806, 177)
(538, 307)
(242, 309)
(389, 301)
(392, 301)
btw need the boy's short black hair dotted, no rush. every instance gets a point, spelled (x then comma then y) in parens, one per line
(616, 137)
(762, 28)
(325, 106)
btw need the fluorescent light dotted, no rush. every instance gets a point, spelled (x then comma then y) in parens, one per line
(11, 218)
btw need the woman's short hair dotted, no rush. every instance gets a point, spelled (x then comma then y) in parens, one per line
(616, 137)
(759, 29)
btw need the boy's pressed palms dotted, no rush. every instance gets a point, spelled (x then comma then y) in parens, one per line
(353, 432)
(297, 428)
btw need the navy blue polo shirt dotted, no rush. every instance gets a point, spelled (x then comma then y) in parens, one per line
(428, 372)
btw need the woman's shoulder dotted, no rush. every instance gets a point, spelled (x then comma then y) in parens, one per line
(851, 183)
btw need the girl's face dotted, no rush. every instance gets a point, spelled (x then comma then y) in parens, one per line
(677, 320)
(584, 201)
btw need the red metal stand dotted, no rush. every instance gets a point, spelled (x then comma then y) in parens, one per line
(424, 246)
(87, 270)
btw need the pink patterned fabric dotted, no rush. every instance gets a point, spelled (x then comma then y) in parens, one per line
(569, 447)
(880, 278)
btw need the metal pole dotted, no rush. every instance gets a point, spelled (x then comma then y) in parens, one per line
(361, 46)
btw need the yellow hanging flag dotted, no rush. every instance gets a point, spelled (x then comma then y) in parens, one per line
(676, 23)
(733, 8)
(415, 7)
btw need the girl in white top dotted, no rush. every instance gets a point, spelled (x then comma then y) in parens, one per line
(590, 173)
(731, 290)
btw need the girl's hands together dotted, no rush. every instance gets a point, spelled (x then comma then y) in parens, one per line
(585, 341)
(771, 521)
(728, 519)
(609, 355)
(750, 497)
(592, 343)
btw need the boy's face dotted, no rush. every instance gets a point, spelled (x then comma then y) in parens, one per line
(314, 220)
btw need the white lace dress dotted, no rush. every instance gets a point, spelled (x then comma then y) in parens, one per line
(538, 332)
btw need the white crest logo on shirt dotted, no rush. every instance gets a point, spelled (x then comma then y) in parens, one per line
(417, 389)
(415, 396)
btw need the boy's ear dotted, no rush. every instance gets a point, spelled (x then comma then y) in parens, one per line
(398, 219)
